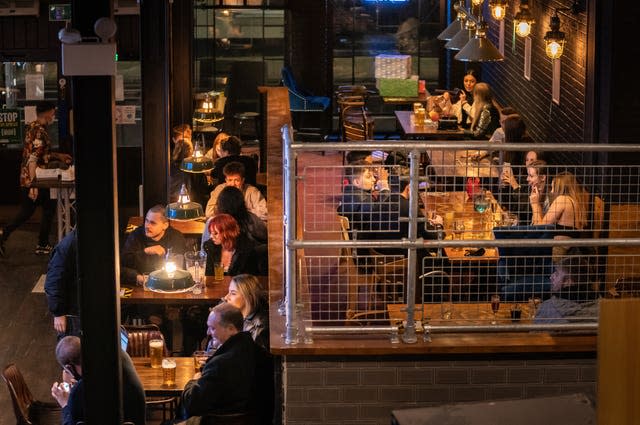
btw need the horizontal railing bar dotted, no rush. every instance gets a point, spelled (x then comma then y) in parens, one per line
(407, 145)
(420, 243)
(351, 329)
(511, 328)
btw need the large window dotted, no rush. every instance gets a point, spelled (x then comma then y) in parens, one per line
(365, 28)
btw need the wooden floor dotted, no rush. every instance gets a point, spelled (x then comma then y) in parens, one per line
(27, 337)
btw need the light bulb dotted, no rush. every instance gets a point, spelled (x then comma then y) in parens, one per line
(183, 197)
(477, 2)
(523, 28)
(498, 12)
(554, 49)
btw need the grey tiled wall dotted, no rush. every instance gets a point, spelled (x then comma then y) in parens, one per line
(364, 390)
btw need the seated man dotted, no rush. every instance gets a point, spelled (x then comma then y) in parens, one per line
(230, 150)
(69, 356)
(234, 173)
(145, 248)
(236, 379)
(572, 292)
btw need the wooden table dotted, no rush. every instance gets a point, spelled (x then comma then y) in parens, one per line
(463, 313)
(152, 378)
(454, 205)
(401, 100)
(211, 294)
(412, 131)
(190, 228)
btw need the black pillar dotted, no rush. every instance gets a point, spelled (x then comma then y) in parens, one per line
(155, 42)
(182, 62)
(96, 192)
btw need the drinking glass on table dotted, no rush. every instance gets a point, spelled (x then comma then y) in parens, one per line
(495, 306)
(199, 359)
(168, 372)
(458, 232)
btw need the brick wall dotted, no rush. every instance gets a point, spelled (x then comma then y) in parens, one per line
(546, 121)
(364, 390)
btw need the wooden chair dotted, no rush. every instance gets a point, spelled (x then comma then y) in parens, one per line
(357, 124)
(27, 410)
(139, 337)
(368, 285)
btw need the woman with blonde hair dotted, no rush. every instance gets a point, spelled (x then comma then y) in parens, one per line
(568, 209)
(486, 117)
(246, 293)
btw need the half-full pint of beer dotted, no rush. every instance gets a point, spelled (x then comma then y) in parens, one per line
(168, 372)
(155, 352)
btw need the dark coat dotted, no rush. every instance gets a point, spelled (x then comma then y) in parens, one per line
(134, 261)
(231, 379)
(245, 258)
(61, 283)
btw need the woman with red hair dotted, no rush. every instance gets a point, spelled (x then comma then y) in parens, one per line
(230, 247)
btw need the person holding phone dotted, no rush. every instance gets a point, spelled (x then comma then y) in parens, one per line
(463, 108)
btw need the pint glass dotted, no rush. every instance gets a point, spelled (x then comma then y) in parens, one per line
(156, 347)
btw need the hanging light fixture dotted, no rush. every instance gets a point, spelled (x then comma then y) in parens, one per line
(184, 209)
(523, 20)
(477, 2)
(198, 162)
(479, 48)
(554, 39)
(456, 25)
(498, 9)
(462, 37)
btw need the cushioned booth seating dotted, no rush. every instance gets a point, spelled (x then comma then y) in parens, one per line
(523, 271)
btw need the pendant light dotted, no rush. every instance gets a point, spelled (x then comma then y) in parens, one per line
(554, 39)
(479, 48)
(462, 37)
(523, 20)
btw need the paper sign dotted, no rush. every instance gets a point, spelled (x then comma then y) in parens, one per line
(34, 86)
(30, 114)
(119, 87)
(125, 114)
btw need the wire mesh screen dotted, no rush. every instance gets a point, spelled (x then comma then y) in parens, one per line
(356, 288)
(497, 241)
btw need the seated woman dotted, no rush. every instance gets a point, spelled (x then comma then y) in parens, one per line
(486, 117)
(231, 201)
(230, 247)
(246, 294)
(568, 211)
(572, 292)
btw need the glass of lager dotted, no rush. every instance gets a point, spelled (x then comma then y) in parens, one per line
(156, 350)
(168, 372)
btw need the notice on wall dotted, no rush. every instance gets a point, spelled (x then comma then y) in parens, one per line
(34, 86)
(119, 87)
(125, 114)
(10, 126)
(30, 114)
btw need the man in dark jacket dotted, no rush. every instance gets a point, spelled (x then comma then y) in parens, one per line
(61, 286)
(236, 378)
(146, 247)
(70, 393)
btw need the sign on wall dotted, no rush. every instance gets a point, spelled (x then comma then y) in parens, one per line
(10, 126)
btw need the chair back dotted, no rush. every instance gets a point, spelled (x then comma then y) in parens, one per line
(21, 397)
(626, 287)
(139, 337)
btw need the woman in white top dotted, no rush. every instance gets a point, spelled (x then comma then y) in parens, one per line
(463, 108)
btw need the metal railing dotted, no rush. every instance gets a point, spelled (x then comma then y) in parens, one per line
(434, 279)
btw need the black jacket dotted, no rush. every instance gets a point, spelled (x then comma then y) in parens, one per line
(61, 283)
(134, 261)
(232, 379)
(245, 258)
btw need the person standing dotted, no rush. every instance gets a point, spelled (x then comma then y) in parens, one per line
(61, 286)
(36, 153)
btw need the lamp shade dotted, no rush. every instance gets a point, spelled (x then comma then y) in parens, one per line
(461, 38)
(184, 209)
(479, 48)
(454, 28)
(198, 162)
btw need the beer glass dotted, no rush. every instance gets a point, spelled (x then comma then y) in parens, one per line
(218, 270)
(199, 359)
(156, 348)
(168, 372)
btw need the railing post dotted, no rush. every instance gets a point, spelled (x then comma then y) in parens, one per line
(409, 335)
(289, 220)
